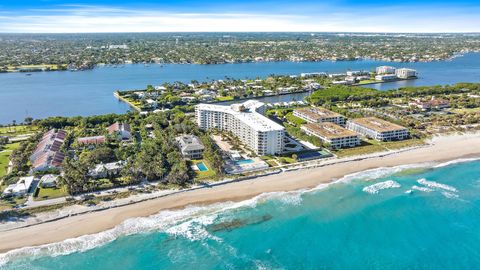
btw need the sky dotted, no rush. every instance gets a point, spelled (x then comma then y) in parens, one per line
(406, 16)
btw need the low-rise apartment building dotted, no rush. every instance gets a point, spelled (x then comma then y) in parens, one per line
(319, 115)
(335, 135)
(378, 129)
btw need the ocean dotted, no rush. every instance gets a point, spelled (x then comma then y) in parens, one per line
(422, 216)
(90, 92)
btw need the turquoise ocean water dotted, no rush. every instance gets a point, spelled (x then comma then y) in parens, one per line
(411, 217)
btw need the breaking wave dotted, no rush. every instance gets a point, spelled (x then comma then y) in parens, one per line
(436, 185)
(191, 221)
(375, 188)
(456, 161)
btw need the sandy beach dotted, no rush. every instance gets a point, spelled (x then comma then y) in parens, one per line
(442, 149)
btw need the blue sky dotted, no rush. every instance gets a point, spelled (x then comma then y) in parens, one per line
(56, 16)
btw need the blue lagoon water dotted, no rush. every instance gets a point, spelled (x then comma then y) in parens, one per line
(414, 217)
(90, 92)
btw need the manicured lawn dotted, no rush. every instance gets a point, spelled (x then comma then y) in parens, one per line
(365, 148)
(403, 144)
(367, 81)
(205, 174)
(465, 110)
(50, 193)
(17, 130)
(295, 120)
(272, 163)
(4, 157)
(226, 98)
(372, 146)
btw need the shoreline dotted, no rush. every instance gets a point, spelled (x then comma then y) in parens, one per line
(441, 149)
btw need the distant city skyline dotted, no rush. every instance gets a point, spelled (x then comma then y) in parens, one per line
(55, 16)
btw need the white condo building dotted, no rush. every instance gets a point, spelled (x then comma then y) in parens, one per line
(406, 73)
(378, 129)
(319, 115)
(247, 122)
(385, 70)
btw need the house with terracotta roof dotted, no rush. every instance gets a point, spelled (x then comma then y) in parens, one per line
(122, 130)
(91, 140)
(47, 154)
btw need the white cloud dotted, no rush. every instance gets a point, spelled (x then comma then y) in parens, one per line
(75, 19)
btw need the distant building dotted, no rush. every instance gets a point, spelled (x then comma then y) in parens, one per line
(430, 104)
(49, 181)
(378, 129)
(190, 146)
(20, 188)
(335, 135)
(313, 74)
(357, 73)
(386, 77)
(122, 130)
(247, 122)
(385, 70)
(91, 140)
(47, 153)
(319, 115)
(406, 73)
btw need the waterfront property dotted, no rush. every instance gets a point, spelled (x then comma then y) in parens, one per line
(335, 135)
(385, 70)
(190, 146)
(247, 122)
(319, 115)
(245, 165)
(406, 73)
(378, 129)
(386, 77)
(20, 188)
(47, 153)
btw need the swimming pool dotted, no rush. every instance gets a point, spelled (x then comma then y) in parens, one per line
(244, 161)
(202, 167)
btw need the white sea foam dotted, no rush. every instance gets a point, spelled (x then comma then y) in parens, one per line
(423, 189)
(461, 160)
(188, 222)
(436, 185)
(450, 195)
(381, 172)
(375, 188)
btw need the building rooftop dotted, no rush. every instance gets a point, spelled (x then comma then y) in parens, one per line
(117, 126)
(377, 124)
(329, 130)
(318, 113)
(189, 143)
(247, 113)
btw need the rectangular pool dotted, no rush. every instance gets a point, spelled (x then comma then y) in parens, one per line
(202, 167)
(244, 161)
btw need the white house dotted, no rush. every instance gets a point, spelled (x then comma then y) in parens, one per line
(21, 188)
